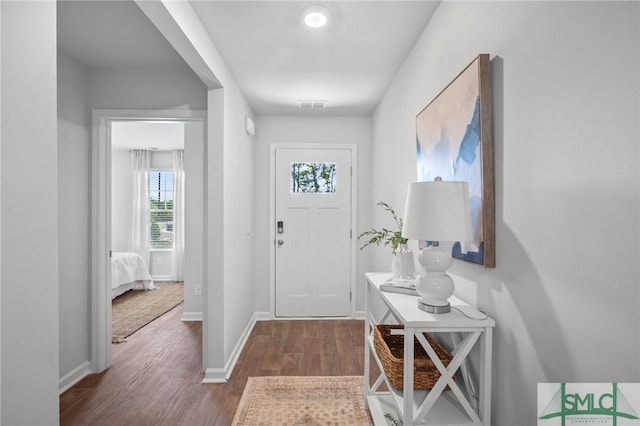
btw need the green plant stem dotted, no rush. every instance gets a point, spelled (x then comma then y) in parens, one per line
(385, 236)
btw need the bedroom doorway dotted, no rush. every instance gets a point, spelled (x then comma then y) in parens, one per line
(166, 140)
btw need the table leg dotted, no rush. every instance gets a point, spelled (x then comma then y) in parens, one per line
(408, 376)
(485, 375)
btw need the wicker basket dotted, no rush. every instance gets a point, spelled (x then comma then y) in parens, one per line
(390, 350)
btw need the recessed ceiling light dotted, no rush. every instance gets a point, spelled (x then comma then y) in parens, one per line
(316, 17)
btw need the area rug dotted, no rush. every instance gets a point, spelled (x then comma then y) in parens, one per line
(138, 307)
(292, 400)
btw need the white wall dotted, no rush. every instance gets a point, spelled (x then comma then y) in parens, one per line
(74, 147)
(121, 199)
(238, 208)
(565, 88)
(162, 160)
(108, 89)
(229, 253)
(29, 240)
(153, 88)
(1, 219)
(194, 229)
(329, 130)
(213, 356)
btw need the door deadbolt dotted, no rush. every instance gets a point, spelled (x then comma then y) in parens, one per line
(280, 242)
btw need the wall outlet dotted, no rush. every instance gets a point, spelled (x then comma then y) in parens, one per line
(198, 290)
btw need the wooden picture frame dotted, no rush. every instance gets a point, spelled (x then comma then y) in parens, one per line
(454, 140)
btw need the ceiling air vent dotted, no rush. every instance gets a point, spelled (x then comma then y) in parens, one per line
(312, 104)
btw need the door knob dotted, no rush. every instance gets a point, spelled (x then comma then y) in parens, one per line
(280, 242)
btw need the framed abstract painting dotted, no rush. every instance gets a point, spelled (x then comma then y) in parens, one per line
(454, 141)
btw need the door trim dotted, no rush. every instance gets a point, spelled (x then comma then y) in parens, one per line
(100, 356)
(353, 250)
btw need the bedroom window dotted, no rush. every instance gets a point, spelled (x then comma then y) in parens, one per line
(161, 209)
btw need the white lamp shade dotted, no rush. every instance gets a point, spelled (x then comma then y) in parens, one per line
(437, 211)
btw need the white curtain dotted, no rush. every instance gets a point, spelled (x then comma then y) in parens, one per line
(177, 257)
(140, 218)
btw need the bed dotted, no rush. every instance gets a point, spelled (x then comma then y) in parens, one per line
(127, 270)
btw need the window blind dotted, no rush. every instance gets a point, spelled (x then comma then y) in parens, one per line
(161, 209)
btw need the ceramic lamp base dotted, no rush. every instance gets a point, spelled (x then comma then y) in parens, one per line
(433, 284)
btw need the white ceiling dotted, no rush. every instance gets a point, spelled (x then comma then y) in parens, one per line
(112, 34)
(275, 60)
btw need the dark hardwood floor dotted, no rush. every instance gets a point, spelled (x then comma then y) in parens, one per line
(156, 375)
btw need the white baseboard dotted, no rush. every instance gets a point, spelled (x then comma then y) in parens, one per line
(266, 316)
(313, 318)
(191, 316)
(161, 277)
(74, 376)
(215, 375)
(221, 375)
(262, 316)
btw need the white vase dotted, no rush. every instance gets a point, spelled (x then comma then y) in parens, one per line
(402, 265)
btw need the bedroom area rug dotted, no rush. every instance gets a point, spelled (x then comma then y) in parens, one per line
(138, 307)
(300, 400)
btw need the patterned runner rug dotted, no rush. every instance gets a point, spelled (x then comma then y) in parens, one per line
(289, 400)
(138, 307)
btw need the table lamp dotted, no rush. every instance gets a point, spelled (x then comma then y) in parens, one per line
(436, 211)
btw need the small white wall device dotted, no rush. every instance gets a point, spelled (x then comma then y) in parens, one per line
(250, 126)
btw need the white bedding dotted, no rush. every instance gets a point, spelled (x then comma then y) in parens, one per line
(127, 269)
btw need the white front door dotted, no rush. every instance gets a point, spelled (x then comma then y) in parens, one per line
(312, 232)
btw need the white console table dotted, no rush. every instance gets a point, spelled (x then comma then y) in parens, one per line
(464, 403)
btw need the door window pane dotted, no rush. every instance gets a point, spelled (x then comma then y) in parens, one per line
(310, 178)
